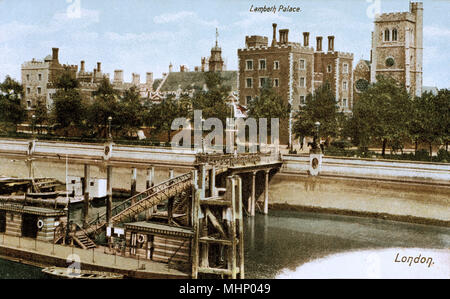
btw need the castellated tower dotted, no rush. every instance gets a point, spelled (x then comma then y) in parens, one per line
(397, 47)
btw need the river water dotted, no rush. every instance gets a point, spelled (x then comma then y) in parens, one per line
(287, 244)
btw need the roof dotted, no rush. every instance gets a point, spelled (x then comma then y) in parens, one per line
(46, 212)
(189, 80)
(159, 228)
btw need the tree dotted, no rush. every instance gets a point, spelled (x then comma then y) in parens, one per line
(130, 111)
(382, 114)
(320, 106)
(212, 102)
(268, 104)
(161, 115)
(68, 110)
(430, 119)
(41, 114)
(105, 105)
(11, 111)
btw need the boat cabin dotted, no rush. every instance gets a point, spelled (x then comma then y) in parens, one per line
(30, 222)
(158, 242)
(97, 186)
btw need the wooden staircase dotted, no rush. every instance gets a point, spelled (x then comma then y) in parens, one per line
(83, 240)
(142, 201)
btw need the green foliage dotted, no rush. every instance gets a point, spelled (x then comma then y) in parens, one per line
(67, 81)
(41, 114)
(67, 110)
(11, 111)
(213, 101)
(320, 106)
(268, 104)
(381, 114)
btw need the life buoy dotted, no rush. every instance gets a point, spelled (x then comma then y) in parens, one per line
(40, 223)
(141, 238)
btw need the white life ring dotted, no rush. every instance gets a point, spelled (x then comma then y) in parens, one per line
(40, 223)
(141, 238)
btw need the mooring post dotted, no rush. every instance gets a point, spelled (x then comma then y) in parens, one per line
(241, 226)
(109, 193)
(231, 182)
(253, 199)
(202, 179)
(212, 181)
(86, 186)
(170, 173)
(150, 174)
(266, 192)
(133, 181)
(195, 250)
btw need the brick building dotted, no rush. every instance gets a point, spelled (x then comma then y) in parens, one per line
(294, 70)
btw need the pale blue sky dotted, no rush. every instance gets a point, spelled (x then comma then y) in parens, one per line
(140, 36)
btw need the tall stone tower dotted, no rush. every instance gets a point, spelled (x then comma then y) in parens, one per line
(397, 47)
(216, 61)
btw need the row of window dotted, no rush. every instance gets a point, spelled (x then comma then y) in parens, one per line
(303, 101)
(39, 90)
(390, 37)
(276, 65)
(276, 82)
(39, 77)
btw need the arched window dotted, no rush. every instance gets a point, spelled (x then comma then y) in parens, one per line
(394, 34)
(386, 35)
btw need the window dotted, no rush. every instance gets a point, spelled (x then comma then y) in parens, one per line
(248, 99)
(262, 81)
(276, 65)
(39, 90)
(276, 82)
(28, 104)
(345, 68)
(92, 184)
(394, 34)
(28, 77)
(386, 35)
(302, 64)
(249, 83)
(249, 65)
(302, 82)
(329, 68)
(344, 85)
(344, 103)
(262, 64)
(28, 90)
(40, 77)
(302, 100)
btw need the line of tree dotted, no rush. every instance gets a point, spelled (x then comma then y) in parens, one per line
(385, 114)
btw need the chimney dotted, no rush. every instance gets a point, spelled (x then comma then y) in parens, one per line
(203, 64)
(82, 66)
(99, 67)
(284, 36)
(306, 39)
(136, 79)
(331, 44)
(118, 76)
(55, 54)
(274, 38)
(319, 44)
(170, 67)
(149, 78)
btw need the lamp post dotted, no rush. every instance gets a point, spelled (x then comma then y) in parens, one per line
(317, 124)
(109, 127)
(33, 117)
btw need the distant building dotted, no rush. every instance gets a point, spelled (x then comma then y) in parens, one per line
(38, 78)
(397, 50)
(294, 70)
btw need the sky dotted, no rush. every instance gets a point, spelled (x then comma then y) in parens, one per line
(140, 36)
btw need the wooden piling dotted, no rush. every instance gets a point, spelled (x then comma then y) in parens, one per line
(240, 226)
(86, 186)
(266, 192)
(253, 198)
(109, 193)
(195, 220)
(133, 181)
